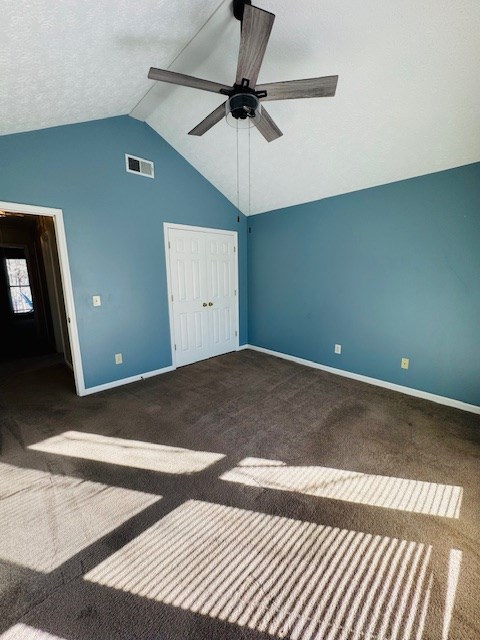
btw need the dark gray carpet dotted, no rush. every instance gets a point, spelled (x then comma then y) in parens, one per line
(240, 497)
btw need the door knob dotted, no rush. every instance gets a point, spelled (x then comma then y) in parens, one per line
(204, 304)
(210, 304)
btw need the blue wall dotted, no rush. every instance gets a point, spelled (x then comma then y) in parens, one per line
(114, 227)
(388, 272)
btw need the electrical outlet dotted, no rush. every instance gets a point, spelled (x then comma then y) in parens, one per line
(96, 301)
(405, 363)
(118, 358)
(338, 348)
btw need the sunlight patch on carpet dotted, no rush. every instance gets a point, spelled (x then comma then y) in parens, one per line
(127, 453)
(276, 575)
(24, 632)
(402, 494)
(46, 519)
(454, 562)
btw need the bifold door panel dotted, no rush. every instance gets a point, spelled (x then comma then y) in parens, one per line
(203, 296)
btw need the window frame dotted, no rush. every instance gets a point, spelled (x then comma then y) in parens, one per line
(26, 257)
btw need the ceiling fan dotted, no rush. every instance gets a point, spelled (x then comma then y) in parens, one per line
(245, 95)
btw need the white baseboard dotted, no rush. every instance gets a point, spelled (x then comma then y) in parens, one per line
(449, 402)
(244, 346)
(119, 383)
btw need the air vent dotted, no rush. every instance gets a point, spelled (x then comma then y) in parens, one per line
(139, 165)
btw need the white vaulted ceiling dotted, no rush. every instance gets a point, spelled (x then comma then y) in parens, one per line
(407, 100)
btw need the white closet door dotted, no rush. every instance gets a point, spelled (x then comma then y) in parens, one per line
(189, 290)
(220, 256)
(203, 297)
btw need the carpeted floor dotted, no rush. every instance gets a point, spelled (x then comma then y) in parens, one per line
(240, 497)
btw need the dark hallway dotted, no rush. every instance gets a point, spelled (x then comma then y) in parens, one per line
(31, 299)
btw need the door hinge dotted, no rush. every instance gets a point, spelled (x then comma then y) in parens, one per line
(175, 346)
(169, 245)
(236, 333)
(234, 249)
(172, 297)
(234, 292)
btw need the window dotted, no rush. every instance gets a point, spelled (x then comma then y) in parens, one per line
(19, 285)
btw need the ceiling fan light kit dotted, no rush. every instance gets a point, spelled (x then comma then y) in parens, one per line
(243, 109)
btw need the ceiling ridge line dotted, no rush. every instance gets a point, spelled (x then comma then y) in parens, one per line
(187, 44)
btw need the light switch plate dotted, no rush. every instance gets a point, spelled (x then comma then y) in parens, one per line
(96, 301)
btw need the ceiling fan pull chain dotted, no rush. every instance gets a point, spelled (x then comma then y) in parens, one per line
(238, 175)
(249, 173)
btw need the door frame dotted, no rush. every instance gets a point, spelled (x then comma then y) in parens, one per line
(185, 227)
(61, 238)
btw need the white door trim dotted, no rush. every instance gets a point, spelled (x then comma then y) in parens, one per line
(57, 215)
(171, 225)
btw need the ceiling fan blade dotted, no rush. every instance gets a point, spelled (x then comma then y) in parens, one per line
(256, 27)
(309, 88)
(267, 126)
(209, 121)
(186, 81)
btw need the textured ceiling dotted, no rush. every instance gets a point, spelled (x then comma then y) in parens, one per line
(407, 100)
(66, 61)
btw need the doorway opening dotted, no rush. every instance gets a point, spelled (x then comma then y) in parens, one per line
(35, 321)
